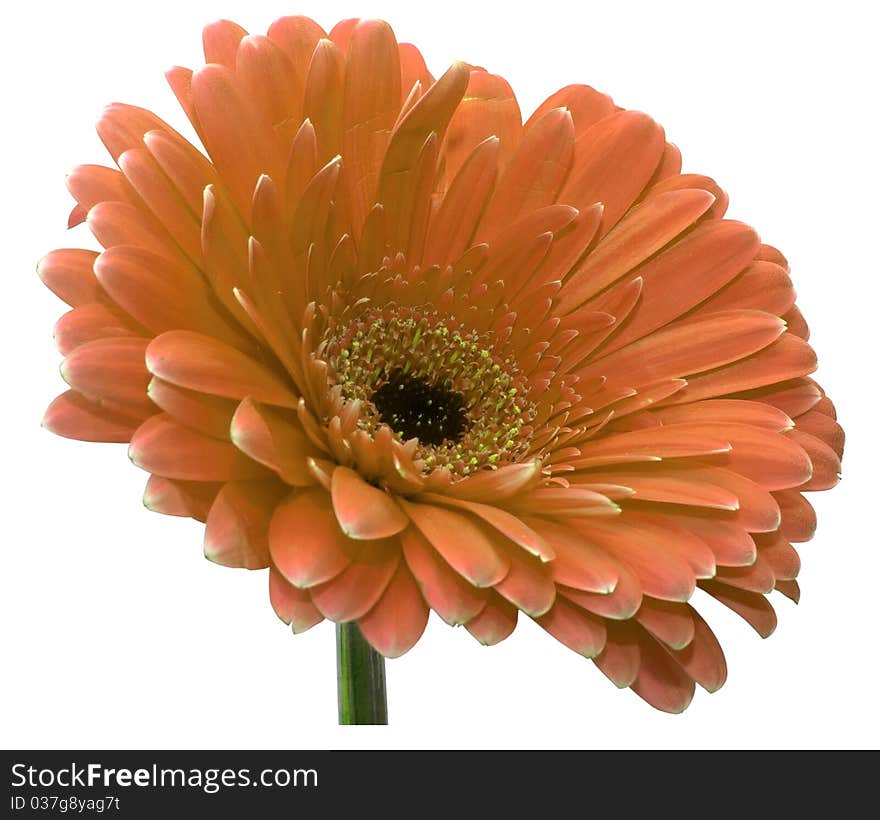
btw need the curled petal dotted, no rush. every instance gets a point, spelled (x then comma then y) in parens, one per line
(363, 511)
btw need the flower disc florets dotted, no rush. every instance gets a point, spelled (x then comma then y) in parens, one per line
(428, 377)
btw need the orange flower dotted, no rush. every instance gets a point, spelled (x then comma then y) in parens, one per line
(410, 353)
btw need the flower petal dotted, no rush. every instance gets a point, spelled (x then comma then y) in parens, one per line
(614, 160)
(305, 541)
(397, 621)
(446, 592)
(661, 574)
(496, 621)
(661, 682)
(163, 446)
(702, 659)
(189, 499)
(88, 323)
(577, 563)
(670, 623)
(467, 547)
(355, 591)
(68, 274)
(364, 512)
(576, 629)
(506, 523)
(272, 438)
(752, 607)
(73, 415)
(237, 529)
(643, 232)
(207, 365)
(293, 605)
(111, 368)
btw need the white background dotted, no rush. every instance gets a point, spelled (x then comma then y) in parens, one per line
(117, 633)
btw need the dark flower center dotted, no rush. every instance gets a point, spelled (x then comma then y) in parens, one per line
(426, 376)
(415, 407)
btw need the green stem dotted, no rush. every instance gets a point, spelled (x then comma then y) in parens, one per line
(360, 675)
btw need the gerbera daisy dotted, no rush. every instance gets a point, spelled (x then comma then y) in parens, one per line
(410, 353)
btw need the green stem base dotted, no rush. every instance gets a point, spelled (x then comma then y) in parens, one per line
(360, 676)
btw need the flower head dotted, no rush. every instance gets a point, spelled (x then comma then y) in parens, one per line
(412, 354)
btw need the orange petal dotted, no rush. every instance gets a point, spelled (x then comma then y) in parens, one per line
(161, 294)
(760, 286)
(825, 462)
(394, 625)
(364, 512)
(268, 436)
(452, 228)
(573, 502)
(111, 368)
(446, 592)
(737, 411)
(68, 274)
(824, 428)
(669, 537)
(412, 68)
(496, 621)
(670, 623)
(702, 659)
(773, 460)
(356, 590)
(322, 103)
(587, 106)
(189, 499)
(688, 347)
(786, 358)
(579, 631)
(619, 604)
(163, 199)
(676, 441)
(297, 36)
(293, 605)
(615, 158)
(687, 273)
(661, 574)
(269, 78)
(207, 414)
(72, 415)
(88, 323)
(780, 556)
(506, 523)
(169, 449)
(466, 546)
(220, 41)
(188, 169)
(643, 232)
(429, 115)
(201, 363)
(498, 484)
(619, 661)
(528, 584)
(237, 529)
(489, 109)
(752, 607)
(240, 141)
(535, 173)
(731, 545)
(577, 563)
(305, 541)
(371, 102)
(798, 516)
(661, 682)
(668, 487)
